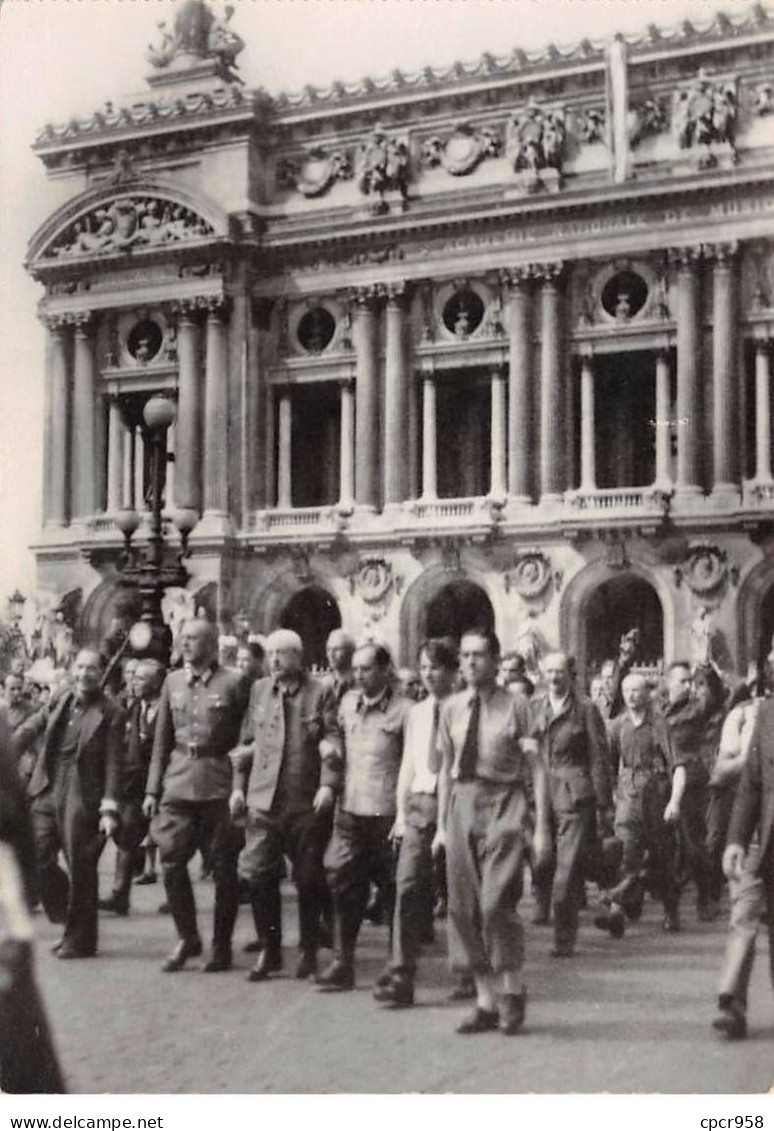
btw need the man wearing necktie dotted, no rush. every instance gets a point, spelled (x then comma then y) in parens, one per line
(485, 756)
(283, 791)
(416, 823)
(189, 784)
(140, 725)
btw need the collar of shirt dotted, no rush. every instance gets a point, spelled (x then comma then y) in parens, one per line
(639, 719)
(379, 703)
(204, 675)
(484, 693)
(559, 706)
(289, 689)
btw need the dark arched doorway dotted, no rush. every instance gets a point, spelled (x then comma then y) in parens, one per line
(617, 605)
(313, 614)
(457, 607)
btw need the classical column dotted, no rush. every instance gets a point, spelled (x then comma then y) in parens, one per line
(216, 428)
(762, 412)
(497, 447)
(724, 422)
(688, 372)
(551, 391)
(588, 426)
(520, 380)
(84, 428)
(347, 443)
(255, 407)
(663, 421)
(366, 401)
(429, 453)
(396, 415)
(58, 508)
(128, 497)
(116, 457)
(285, 453)
(188, 482)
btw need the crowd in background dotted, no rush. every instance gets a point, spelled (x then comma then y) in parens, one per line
(401, 795)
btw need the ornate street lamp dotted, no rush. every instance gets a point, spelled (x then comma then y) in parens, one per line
(152, 570)
(16, 603)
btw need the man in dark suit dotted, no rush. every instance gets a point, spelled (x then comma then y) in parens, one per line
(748, 862)
(279, 785)
(189, 783)
(140, 727)
(76, 792)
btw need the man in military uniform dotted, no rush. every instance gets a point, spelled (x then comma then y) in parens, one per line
(140, 726)
(189, 783)
(572, 738)
(642, 760)
(364, 756)
(279, 785)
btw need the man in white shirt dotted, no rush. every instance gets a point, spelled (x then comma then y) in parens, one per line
(416, 822)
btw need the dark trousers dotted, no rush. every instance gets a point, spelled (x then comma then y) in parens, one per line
(693, 838)
(719, 806)
(574, 830)
(28, 1061)
(180, 828)
(360, 851)
(52, 884)
(60, 820)
(485, 840)
(414, 884)
(269, 838)
(640, 826)
(133, 830)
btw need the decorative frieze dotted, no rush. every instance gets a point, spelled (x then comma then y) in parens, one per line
(128, 223)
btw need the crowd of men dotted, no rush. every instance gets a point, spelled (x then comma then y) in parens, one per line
(402, 793)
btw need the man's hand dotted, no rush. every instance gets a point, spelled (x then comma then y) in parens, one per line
(236, 804)
(323, 799)
(672, 812)
(150, 806)
(439, 842)
(108, 825)
(398, 829)
(542, 846)
(733, 861)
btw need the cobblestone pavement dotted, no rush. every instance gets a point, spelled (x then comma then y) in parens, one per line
(627, 1016)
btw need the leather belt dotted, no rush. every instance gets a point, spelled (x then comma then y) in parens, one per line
(198, 750)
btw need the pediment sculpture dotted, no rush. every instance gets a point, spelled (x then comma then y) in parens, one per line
(127, 223)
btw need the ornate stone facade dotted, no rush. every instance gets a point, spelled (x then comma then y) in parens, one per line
(489, 343)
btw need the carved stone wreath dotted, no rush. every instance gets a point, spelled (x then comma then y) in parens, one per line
(531, 575)
(463, 150)
(706, 569)
(313, 173)
(373, 580)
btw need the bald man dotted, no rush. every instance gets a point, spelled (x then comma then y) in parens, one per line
(280, 787)
(76, 791)
(189, 782)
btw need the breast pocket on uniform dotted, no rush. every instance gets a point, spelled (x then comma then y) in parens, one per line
(177, 703)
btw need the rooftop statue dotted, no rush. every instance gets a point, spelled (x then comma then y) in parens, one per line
(197, 32)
